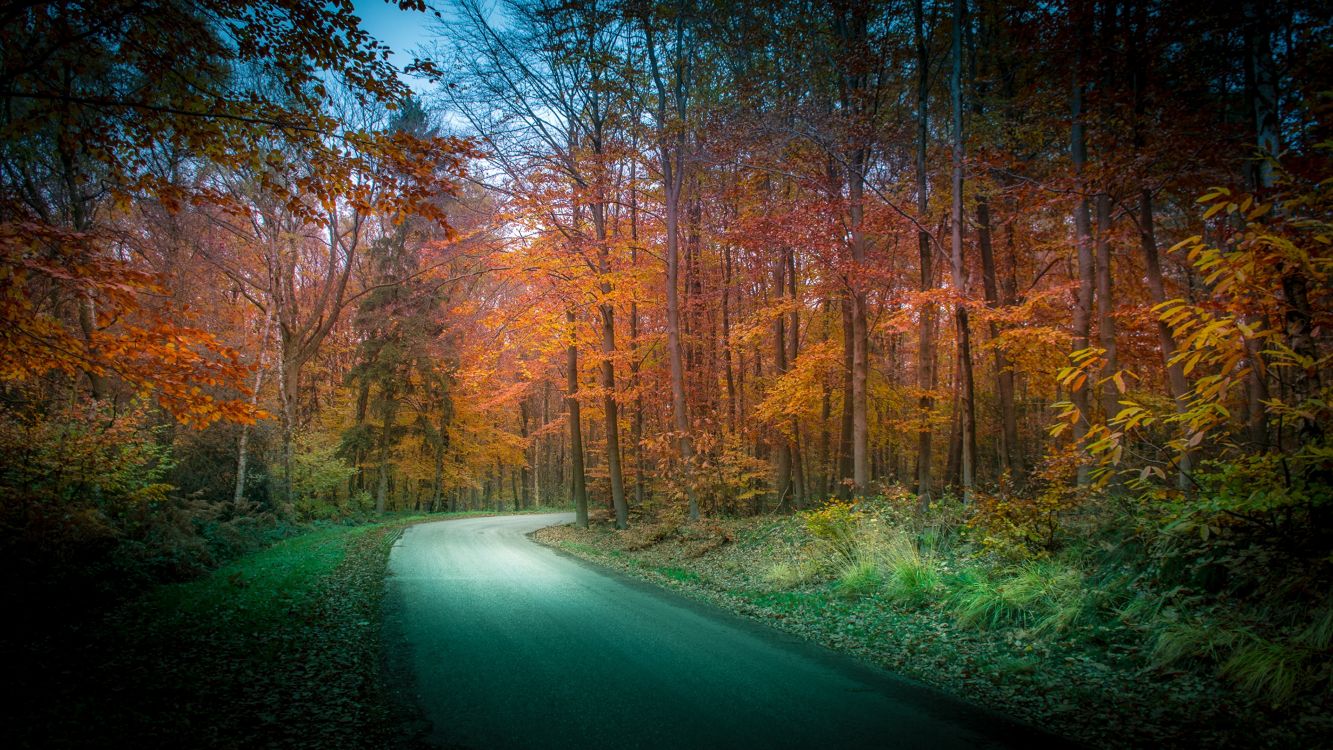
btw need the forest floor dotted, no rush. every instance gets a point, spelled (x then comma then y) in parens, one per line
(1091, 684)
(280, 648)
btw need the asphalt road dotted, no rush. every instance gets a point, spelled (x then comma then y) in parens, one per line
(508, 644)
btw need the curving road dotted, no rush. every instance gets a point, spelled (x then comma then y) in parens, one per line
(510, 644)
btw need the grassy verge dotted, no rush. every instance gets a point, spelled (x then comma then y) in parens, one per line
(1046, 642)
(280, 648)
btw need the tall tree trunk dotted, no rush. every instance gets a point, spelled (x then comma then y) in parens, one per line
(578, 488)
(826, 468)
(288, 376)
(1082, 323)
(860, 342)
(680, 420)
(1004, 374)
(672, 102)
(1297, 318)
(527, 449)
(609, 405)
(845, 439)
(782, 485)
(388, 416)
(732, 404)
(635, 379)
(967, 417)
(926, 336)
(1105, 309)
(794, 344)
(243, 444)
(1176, 383)
(1175, 373)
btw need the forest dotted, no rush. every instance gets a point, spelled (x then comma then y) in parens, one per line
(1005, 313)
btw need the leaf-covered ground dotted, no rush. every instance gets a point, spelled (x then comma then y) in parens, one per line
(278, 649)
(1092, 684)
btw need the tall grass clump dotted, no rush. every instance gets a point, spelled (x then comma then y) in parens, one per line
(1045, 596)
(1267, 669)
(789, 574)
(1274, 670)
(912, 577)
(860, 577)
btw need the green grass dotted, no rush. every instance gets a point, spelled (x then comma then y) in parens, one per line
(789, 574)
(1192, 638)
(1270, 670)
(859, 578)
(913, 578)
(259, 588)
(679, 574)
(1046, 596)
(279, 648)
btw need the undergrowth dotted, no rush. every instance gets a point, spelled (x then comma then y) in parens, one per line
(1107, 636)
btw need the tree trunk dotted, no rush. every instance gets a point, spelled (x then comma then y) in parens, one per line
(732, 404)
(527, 449)
(782, 486)
(1082, 322)
(609, 404)
(1004, 375)
(926, 337)
(578, 481)
(845, 440)
(241, 449)
(389, 415)
(1175, 373)
(288, 375)
(794, 344)
(1105, 309)
(967, 425)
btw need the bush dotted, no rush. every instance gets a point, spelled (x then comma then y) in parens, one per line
(838, 526)
(319, 482)
(89, 518)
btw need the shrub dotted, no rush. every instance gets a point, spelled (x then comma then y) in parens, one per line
(913, 582)
(837, 525)
(1017, 526)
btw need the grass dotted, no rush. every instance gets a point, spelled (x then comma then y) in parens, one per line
(679, 574)
(789, 574)
(1269, 669)
(259, 588)
(1044, 596)
(913, 578)
(859, 578)
(279, 648)
(1192, 638)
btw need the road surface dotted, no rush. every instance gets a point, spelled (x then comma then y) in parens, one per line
(509, 644)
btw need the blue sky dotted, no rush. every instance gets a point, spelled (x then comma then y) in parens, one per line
(402, 30)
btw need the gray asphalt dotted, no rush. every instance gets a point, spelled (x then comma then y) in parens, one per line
(509, 644)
